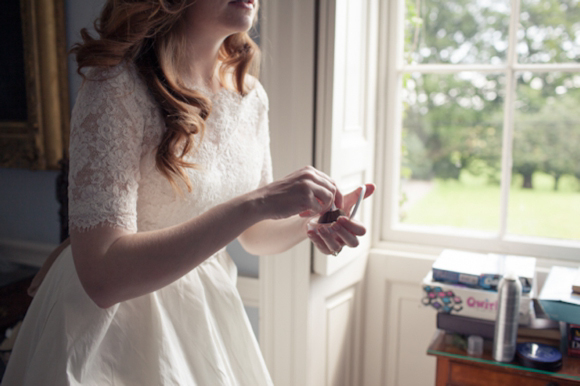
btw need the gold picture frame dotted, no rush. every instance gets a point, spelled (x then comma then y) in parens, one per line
(41, 140)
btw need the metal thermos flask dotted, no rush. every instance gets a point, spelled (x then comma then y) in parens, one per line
(506, 322)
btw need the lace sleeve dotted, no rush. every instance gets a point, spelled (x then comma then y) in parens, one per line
(105, 151)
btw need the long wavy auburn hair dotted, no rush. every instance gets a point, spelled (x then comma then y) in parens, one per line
(149, 33)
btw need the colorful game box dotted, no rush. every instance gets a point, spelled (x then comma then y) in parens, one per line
(471, 302)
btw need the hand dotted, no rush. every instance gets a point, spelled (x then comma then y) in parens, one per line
(331, 238)
(306, 192)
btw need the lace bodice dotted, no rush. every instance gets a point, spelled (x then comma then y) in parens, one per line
(115, 129)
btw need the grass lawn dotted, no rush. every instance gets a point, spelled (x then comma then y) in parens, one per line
(472, 203)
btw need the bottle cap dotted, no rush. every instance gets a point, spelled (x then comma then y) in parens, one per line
(510, 275)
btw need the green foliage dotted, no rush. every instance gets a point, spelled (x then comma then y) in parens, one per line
(548, 140)
(549, 30)
(453, 123)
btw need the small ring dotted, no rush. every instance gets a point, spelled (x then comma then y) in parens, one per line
(335, 253)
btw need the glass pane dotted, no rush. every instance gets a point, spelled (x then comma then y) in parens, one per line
(549, 31)
(456, 31)
(545, 192)
(451, 158)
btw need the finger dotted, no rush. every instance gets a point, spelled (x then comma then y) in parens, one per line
(352, 197)
(314, 198)
(347, 237)
(319, 197)
(318, 242)
(316, 208)
(338, 198)
(328, 183)
(330, 239)
(370, 189)
(352, 226)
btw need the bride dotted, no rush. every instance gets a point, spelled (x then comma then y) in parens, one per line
(169, 162)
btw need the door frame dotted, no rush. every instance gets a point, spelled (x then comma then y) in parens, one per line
(289, 35)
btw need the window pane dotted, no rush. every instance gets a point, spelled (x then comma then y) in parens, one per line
(545, 192)
(451, 159)
(549, 31)
(456, 31)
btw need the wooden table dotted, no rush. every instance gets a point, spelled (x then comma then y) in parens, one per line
(455, 367)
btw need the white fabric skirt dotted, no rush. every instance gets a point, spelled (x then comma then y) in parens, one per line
(192, 332)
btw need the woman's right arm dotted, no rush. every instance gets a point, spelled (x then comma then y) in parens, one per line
(115, 264)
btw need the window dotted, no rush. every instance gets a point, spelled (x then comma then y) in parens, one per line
(482, 144)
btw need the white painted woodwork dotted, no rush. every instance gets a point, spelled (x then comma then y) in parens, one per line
(335, 324)
(344, 147)
(345, 123)
(288, 43)
(249, 289)
(394, 353)
(310, 324)
(339, 349)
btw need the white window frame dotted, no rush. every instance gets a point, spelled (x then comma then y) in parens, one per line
(391, 67)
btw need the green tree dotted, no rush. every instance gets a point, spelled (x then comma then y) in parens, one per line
(455, 122)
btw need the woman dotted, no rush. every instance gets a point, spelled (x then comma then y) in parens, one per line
(169, 162)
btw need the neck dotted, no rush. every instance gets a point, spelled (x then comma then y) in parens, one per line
(202, 60)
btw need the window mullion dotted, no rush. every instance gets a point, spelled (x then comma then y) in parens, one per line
(508, 127)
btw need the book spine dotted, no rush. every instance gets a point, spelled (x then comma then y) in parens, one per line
(455, 277)
(573, 340)
(466, 326)
(490, 282)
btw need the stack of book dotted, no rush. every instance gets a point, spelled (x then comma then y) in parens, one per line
(462, 287)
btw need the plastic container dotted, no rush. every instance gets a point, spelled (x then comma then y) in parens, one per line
(474, 345)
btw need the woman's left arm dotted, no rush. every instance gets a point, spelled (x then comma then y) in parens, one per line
(270, 237)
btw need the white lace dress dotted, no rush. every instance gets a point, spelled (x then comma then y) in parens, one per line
(191, 332)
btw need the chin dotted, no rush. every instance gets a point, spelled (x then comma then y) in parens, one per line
(240, 25)
(240, 18)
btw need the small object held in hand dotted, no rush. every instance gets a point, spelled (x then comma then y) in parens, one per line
(331, 216)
